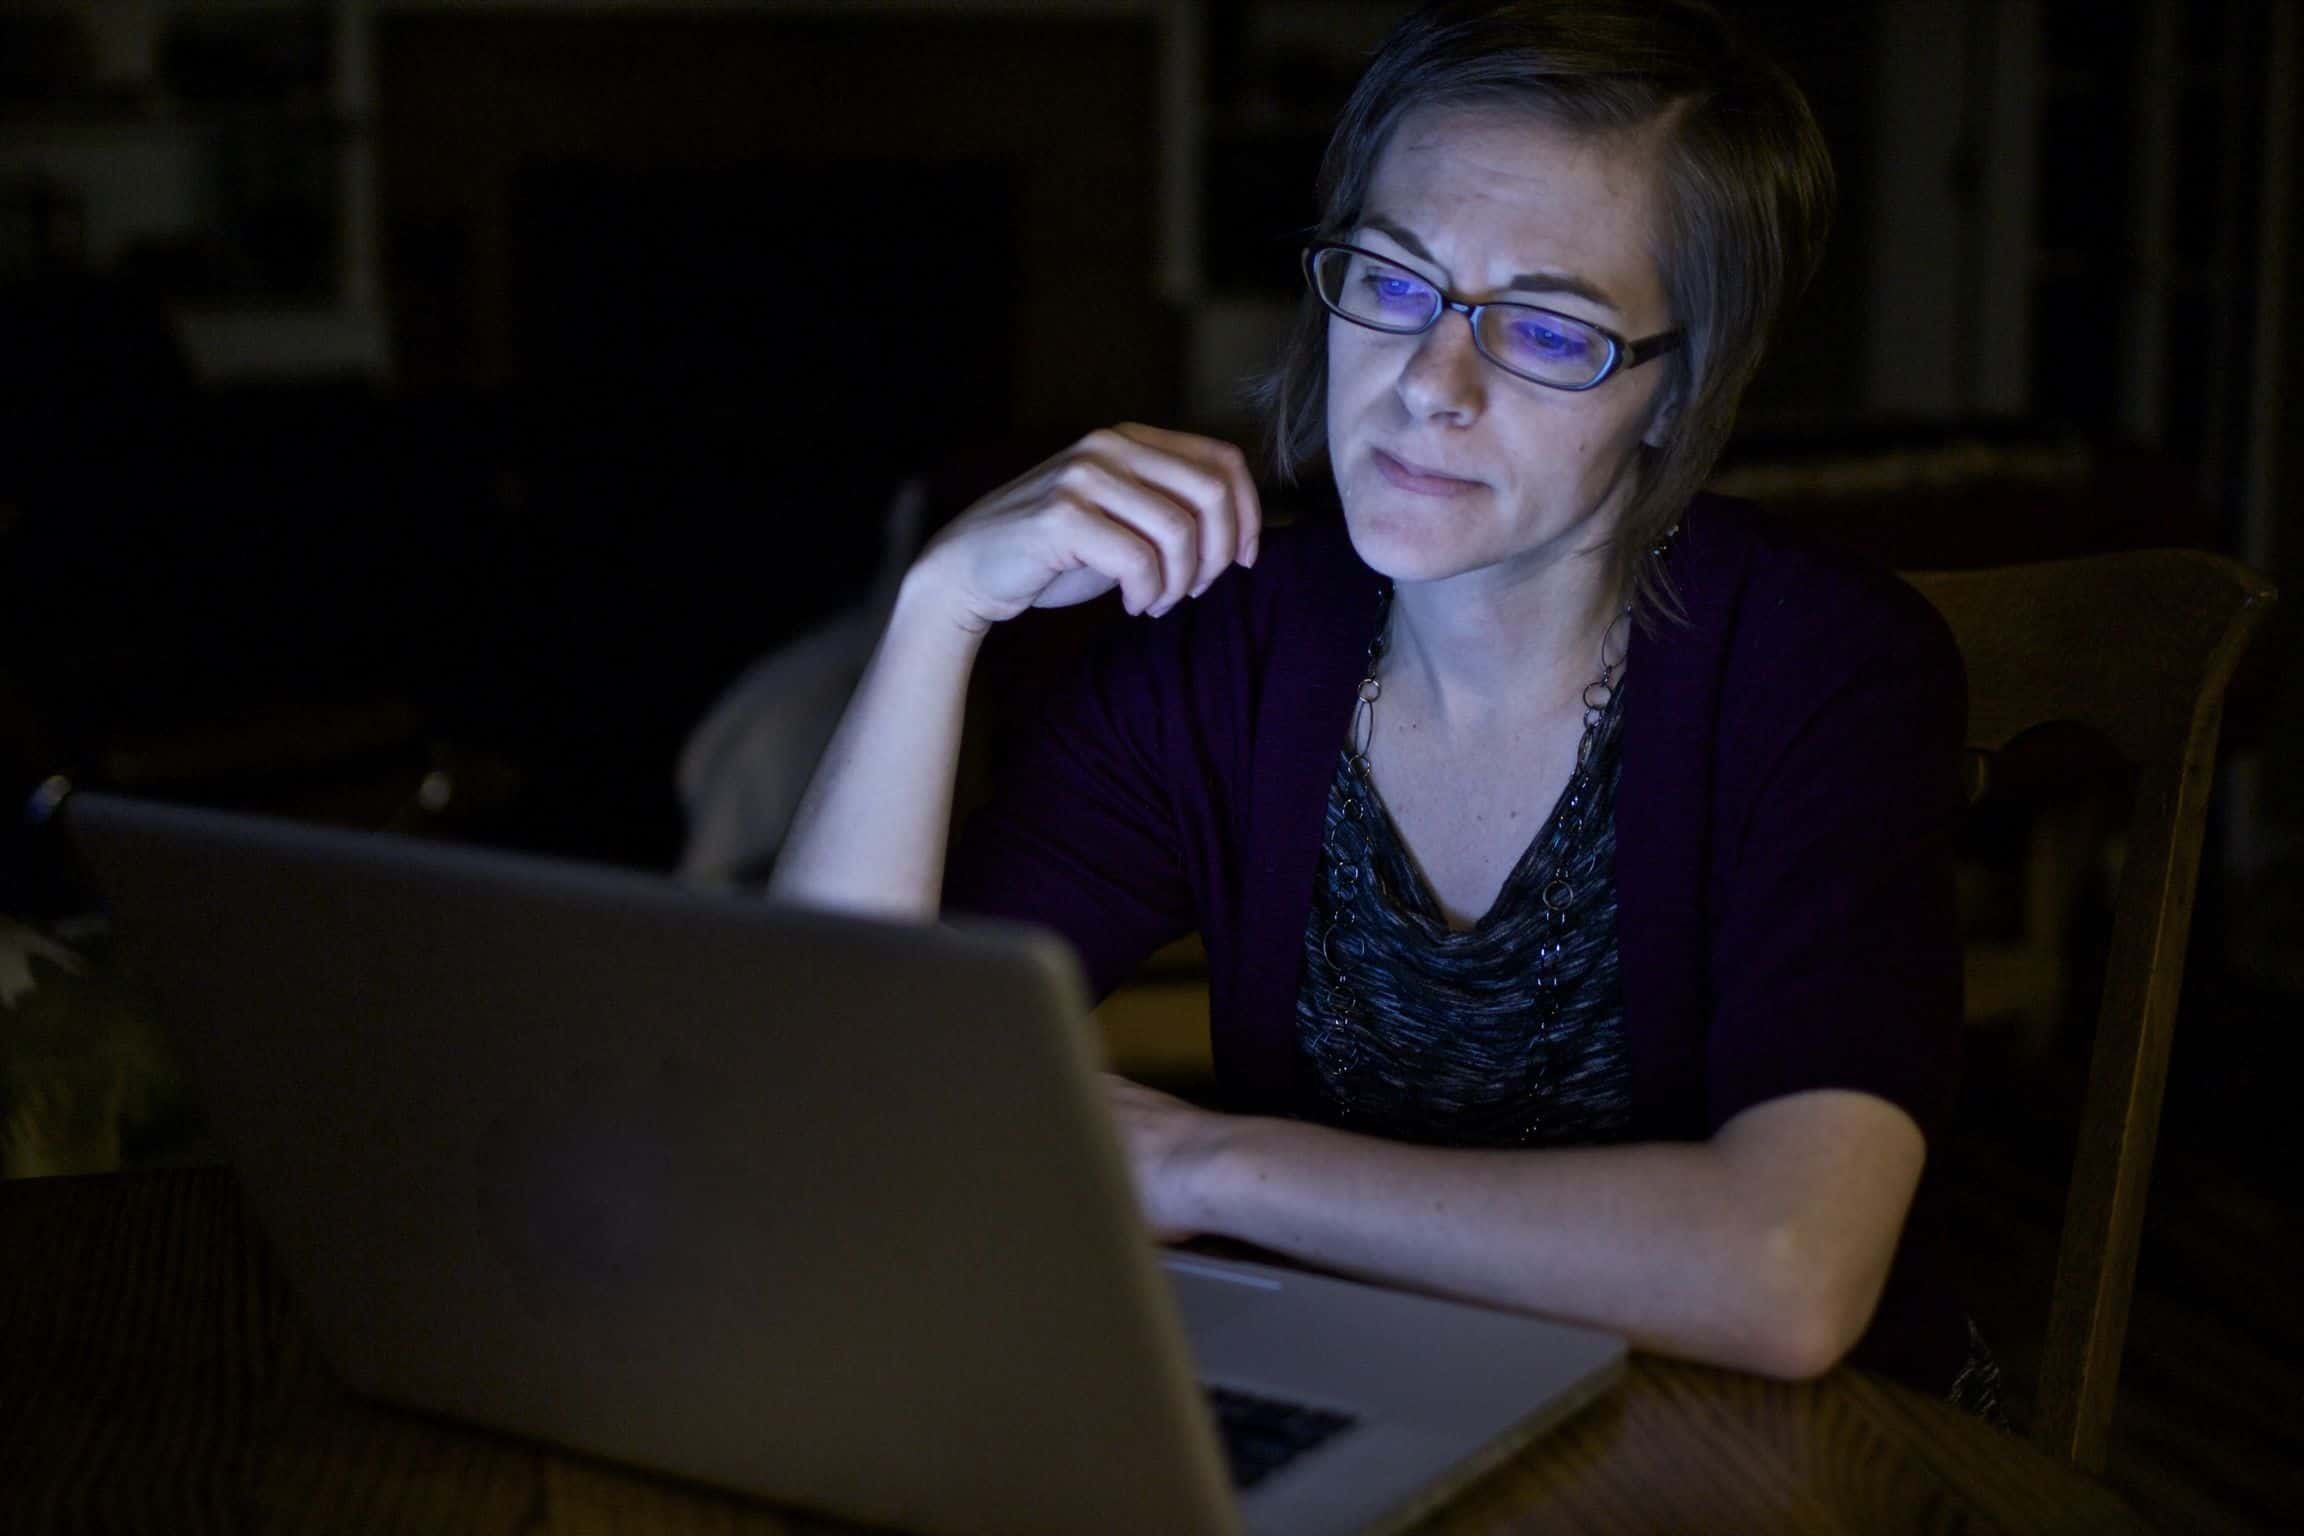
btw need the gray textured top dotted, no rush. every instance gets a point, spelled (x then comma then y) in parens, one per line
(1412, 1030)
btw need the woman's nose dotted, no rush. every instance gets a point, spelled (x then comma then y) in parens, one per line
(1442, 376)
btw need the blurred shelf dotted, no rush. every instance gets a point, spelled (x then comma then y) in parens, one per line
(247, 343)
(216, 152)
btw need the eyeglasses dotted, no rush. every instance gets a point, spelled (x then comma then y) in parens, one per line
(1539, 345)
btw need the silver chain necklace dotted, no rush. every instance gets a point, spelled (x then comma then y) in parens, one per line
(1340, 942)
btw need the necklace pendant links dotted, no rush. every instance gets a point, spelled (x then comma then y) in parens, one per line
(1341, 947)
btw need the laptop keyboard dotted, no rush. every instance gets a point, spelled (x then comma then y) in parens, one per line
(1263, 1434)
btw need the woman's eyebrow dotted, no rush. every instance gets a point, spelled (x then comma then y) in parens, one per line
(1526, 282)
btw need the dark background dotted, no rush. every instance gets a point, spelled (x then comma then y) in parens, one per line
(424, 389)
(502, 383)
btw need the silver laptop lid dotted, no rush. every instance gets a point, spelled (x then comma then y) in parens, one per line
(817, 1208)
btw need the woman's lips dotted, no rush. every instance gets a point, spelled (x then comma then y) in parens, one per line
(1422, 481)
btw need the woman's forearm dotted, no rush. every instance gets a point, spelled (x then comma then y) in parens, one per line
(869, 835)
(1666, 1243)
(1157, 514)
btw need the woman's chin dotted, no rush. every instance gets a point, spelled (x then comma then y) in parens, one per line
(1402, 546)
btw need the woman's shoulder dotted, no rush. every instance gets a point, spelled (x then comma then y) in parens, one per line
(1287, 630)
(1770, 589)
(1308, 557)
(1307, 593)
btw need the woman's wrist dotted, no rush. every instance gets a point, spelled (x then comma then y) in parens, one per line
(1220, 1165)
(925, 615)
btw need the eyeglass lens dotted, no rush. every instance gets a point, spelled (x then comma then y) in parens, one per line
(1553, 349)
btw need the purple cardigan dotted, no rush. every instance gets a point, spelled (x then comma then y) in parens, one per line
(1789, 795)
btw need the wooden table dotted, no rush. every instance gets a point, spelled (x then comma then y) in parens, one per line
(156, 1375)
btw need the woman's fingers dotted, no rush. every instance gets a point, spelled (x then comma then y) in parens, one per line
(1158, 513)
(1174, 530)
(1206, 497)
(1111, 548)
(1225, 463)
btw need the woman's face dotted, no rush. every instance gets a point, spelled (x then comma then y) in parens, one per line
(1446, 463)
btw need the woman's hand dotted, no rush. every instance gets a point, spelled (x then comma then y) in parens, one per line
(1168, 1143)
(1158, 514)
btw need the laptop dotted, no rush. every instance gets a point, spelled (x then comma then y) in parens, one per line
(820, 1209)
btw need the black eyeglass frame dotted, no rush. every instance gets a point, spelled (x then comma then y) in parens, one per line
(1622, 353)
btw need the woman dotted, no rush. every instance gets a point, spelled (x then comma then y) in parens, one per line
(1571, 849)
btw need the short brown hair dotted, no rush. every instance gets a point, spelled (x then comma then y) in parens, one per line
(1748, 195)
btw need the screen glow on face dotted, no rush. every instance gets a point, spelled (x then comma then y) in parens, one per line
(1540, 343)
(1396, 292)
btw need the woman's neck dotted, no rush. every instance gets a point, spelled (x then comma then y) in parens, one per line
(1494, 646)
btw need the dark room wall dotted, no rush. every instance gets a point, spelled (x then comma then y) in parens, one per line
(1061, 107)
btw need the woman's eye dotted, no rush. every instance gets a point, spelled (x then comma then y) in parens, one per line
(1394, 291)
(1551, 341)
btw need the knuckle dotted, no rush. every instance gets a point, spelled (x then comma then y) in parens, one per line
(1067, 510)
(1210, 491)
(1177, 528)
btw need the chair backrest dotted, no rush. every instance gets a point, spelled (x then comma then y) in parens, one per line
(2138, 648)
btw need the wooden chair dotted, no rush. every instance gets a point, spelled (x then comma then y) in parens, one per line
(2137, 648)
